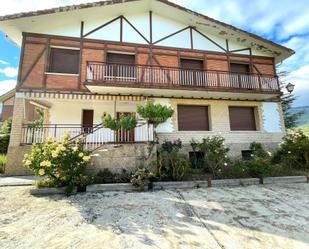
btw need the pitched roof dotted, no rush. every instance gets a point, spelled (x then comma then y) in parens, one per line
(7, 95)
(288, 52)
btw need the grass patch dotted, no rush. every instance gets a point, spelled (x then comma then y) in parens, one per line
(2, 162)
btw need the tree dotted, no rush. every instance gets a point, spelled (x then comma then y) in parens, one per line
(287, 100)
(155, 114)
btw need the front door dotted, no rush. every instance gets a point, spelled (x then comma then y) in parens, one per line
(87, 121)
(124, 136)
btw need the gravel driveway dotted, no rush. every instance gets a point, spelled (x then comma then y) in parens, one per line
(245, 217)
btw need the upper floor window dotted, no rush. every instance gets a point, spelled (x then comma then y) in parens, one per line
(191, 64)
(239, 68)
(242, 118)
(124, 59)
(120, 66)
(64, 61)
(191, 72)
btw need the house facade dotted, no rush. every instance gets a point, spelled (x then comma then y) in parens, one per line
(82, 62)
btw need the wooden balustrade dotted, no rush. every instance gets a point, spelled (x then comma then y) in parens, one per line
(177, 78)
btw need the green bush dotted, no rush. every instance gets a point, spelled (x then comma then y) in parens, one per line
(235, 169)
(2, 162)
(106, 176)
(141, 178)
(126, 122)
(155, 113)
(257, 167)
(4, 143)
(62, 164)
(215, 154)
(294, 151)
(169, 146)
(5, 132)
(172, 166)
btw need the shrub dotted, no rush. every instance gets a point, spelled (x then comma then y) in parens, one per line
(63, 164)
(258, 166)
(142, 178)
(126, 122)
(2, 162)
(215, 153)
(197, 156)
(4, 143)
(172, 165)
(293, 151)
(169, 146)
(106, 176)
(5, 132)
(155, 113)
(235, 169)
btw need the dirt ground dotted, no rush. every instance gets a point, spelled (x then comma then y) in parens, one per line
(255, 217)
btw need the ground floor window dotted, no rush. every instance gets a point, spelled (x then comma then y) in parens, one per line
(242, 118)
(193, 118)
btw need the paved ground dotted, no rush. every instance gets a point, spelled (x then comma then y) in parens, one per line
(16, 180)
(245, 217)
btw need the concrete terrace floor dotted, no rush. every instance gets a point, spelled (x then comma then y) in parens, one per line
(273, 216)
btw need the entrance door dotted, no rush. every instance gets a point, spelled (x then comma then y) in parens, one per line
(124, 136)
(87, 121)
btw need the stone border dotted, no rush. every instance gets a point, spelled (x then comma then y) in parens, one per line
(128, 187)
(49, 191)
(286, 179)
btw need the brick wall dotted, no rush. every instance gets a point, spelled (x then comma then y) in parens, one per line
(35, 60)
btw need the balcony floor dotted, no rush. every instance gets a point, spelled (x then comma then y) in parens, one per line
(239, 94)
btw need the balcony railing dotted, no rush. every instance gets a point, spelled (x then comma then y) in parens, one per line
(101, 73)
(92, 136)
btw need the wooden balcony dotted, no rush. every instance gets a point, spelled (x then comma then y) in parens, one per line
(154, 77)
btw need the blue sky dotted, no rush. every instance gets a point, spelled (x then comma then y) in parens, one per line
(285, 22)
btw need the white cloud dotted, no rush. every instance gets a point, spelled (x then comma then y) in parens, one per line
(7, 85)
(3, 62)
(9, 72)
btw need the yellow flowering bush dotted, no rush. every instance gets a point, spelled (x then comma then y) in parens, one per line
(62, 164)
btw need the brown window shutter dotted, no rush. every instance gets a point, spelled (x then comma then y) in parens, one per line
(191, 64)
(120, 58)
(242, 118)
(64, 61)
(193, 118)
(239, 68)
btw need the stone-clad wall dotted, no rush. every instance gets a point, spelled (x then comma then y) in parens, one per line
(220, 125)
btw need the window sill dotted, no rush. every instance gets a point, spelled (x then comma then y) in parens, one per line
(64, 74)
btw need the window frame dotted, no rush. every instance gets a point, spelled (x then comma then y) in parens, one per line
(50, 58)
(208, 125)
(254, 115)
(240, 63)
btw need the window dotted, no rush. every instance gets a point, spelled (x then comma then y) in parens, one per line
(64, 61)
(120, 66)
(246, 154)
(239, 68)
(192, 72)
(193, 118)
(242, 118)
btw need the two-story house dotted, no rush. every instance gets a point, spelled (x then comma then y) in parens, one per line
(81, 62)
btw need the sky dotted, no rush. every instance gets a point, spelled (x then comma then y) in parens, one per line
(285, 22)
